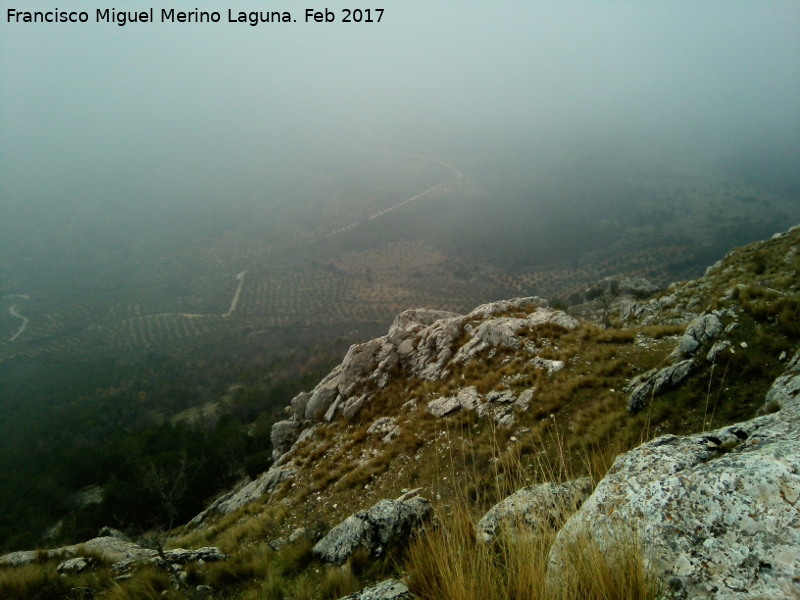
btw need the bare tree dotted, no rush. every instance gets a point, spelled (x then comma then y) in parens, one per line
(168, 483)
(606, 291)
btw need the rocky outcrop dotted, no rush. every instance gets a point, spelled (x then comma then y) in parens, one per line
(715, 511)
(389, 523)
(391, 589)
(110, 549)
(78, 564)
(656, 381)
(233, 500)
(700, 331)
(545, 505)
(120, 553)
(386, 427)
(282, 436)
(420, 343)
(496, 405)
(785, 392)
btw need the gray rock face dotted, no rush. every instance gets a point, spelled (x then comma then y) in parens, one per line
(359, 362)
(386, 427)
(717, 349)
(113, 550)
(504, 332)
(323, 395)
(18, 558)
(655, 382)
(388, 523)
(283, 435)
(298, 407)
(716, 512)
(391, 589)
(545, 504)
(420, 343)
(785, 391)
(227, 503)
(498, 405)
(75, 565)
(180, 556)
(412, 321)
(701, 330)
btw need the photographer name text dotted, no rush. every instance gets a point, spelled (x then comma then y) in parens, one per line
(253, 18)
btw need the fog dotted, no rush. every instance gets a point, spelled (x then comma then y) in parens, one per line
(123, 129)
(209, 215)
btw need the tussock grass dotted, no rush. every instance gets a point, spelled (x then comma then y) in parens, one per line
(612, 571)
(446, 562)
(148, 583)
(32, 582)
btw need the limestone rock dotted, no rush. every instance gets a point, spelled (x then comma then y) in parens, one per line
(434, 348)
(323, 395)
(785, 390)
(79, 564)
(18, 558)
(180, 556)
(390, 589)
(717, 349)
(498, 405)
(699, 331)
(505, 332)
(283, 435)
(386, 427)
(546, 364)
(657, 381)
(444, 406)
(716, 511)
(387, 523)
(359, 362)
(112, 549)
(545, 504)
(490, 309)
(298, 405)
(108, 548)
(231, 501)
(638, 287)
(411, 321)
(352, 405)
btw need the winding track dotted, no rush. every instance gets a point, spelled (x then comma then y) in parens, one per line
(241, 276)
(422, 194)
(235, 300)
(25, 320)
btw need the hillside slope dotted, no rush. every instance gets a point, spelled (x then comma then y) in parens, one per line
(465, 409)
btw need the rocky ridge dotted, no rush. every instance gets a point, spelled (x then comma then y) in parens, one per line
(714, 506)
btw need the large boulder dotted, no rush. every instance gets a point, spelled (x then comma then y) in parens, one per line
(121, 553)
(716, 512)
(785, 391)
(410, 322)
(700, 331)
(283, 435)
(655, 382)
(323, 395)
(546, 505)
(389, 523)
(235, 499)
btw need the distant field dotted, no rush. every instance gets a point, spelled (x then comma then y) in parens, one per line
(351, 242)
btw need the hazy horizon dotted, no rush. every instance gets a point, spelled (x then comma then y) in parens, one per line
(117, 139)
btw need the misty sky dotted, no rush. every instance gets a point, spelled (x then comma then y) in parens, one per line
(169, 113)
